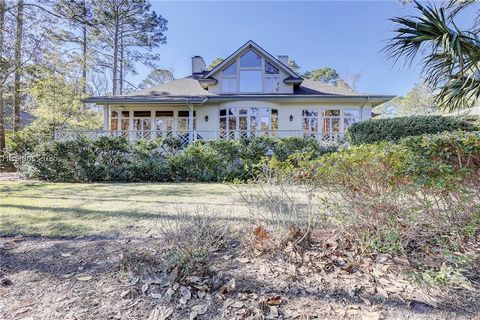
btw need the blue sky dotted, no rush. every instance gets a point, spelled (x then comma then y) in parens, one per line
(347, 36)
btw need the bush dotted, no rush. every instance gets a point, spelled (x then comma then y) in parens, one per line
(394, 129)
(116, 159)
(421, 194)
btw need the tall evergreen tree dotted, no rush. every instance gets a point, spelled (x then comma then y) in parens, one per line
(3, 9)
(130, 30)
(18, 65)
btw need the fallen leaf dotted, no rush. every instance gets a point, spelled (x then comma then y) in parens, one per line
(274, 301)
(238, 305)
(371, 316)
(382, 292)
(174, 274)
(160, 313)
(273, 312)
(243, 260)
(198, 310)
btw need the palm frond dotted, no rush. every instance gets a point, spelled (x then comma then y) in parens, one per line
(450, 55)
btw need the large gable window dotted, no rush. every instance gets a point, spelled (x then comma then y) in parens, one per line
(272, 78)
(229, 79)
(250, 81)
(251, 73)
(250, 60)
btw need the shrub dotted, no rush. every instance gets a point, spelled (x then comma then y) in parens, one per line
(394, 129)
(421, 194)
(148, 162)
(193, 238)
(198, 162)
(72, 161)
(116, 159)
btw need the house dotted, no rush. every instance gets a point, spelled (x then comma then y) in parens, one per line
(251, 93)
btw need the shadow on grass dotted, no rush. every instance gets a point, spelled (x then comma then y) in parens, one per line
(63, 258)
(119, 198)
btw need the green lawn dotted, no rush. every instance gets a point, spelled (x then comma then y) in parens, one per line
(66, 209)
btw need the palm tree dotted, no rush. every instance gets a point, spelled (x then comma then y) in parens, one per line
(451, 57)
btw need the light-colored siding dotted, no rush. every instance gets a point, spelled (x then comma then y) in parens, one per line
(285, 110)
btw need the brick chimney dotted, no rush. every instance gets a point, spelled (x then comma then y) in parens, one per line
(198, 65)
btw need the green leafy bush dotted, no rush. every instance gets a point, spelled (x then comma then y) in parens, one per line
(394, 129)
(423, 189)
(116, 159)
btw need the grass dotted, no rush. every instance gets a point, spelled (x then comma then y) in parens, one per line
(108, 209)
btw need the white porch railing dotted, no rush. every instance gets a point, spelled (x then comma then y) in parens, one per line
(191, 136)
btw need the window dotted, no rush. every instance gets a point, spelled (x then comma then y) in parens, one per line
(231, 69)
(272, 78)
(142, 113)
(350, 116)
(125, 121)
(183, 121)
(241, 122)
(114, 120)
(250, 60)
(250, 74)
(310, 121)
(163, 113)
(270, 68)
(331, 121)
(142, 123)
(229, 78)
(250, 81)
(119, 120)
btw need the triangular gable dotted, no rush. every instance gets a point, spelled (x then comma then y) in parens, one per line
(250, 45)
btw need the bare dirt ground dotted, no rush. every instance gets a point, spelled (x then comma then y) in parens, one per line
(9, 176)
(95, 251)
(84, 278)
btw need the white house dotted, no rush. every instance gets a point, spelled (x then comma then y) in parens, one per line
(251, 93)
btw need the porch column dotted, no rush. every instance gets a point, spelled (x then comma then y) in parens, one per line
(131, 133)
(106, 113)
(190, 123)
(153, 124)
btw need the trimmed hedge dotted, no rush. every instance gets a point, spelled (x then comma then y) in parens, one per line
(116, 159)
(394, 129)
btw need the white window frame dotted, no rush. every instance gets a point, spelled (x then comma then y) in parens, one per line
(243, 133)
(273, 78)
(309, 119)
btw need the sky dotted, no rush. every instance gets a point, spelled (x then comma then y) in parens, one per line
(345, 35)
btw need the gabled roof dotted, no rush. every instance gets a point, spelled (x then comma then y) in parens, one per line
(189, 91)
(248, 46)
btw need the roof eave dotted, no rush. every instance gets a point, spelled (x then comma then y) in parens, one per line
(296, 82)
(132, 100)
(244, 47)
(205, 82)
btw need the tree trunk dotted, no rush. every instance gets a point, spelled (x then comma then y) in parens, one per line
(121, 64)
(84, 44)
(115, 61)
(18, 66)
(2, 113)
